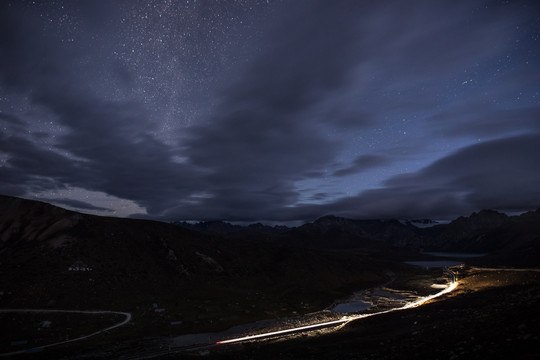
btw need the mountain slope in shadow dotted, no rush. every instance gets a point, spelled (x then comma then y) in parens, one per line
(55, 258)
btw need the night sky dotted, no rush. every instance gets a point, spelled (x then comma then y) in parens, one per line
(271, 110)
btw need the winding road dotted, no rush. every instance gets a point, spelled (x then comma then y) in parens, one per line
(452, 284)
(45, 311)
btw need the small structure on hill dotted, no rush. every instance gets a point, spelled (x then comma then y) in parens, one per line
(45, 324)
(79, 266)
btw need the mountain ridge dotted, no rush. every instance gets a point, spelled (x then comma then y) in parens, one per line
(180, 281)
(56, 258)
(482, 231)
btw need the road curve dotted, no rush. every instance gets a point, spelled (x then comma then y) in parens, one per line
(38, 348)
(346, 319)
(452, 284)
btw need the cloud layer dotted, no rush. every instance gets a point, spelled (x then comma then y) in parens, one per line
(354, 108)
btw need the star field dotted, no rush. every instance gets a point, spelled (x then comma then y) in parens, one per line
(271, 110)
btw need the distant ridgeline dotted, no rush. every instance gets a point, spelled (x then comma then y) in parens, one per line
(486, 231)
(222, 227)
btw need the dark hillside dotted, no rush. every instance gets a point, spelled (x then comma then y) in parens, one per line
(492, 315)
(341, 233)
(507, 240)
(54, 258)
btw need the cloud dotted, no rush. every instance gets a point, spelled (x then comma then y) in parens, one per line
(479, 120)
(263, 138)
(77, 204)
(311, 89)
(30, 168)
(260, 141)
(501, 174)
(107, 146)
(364, 163)
(12, 121)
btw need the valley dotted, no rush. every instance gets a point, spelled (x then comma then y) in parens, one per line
(180, 285)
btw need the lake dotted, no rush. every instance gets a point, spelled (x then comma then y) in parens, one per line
(435, 263)
(352, 307)
(453, 255)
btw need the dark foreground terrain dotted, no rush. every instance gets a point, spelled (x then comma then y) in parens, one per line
(492, 315)
(176, 281)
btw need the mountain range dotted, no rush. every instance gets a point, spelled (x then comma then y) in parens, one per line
(55, 258)
(505, 239)
(182, 278)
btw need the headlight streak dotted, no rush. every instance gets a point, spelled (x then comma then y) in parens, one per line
(286, 331)
(346, 319)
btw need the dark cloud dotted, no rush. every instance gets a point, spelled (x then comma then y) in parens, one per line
(264, 140)
(478, 120)
(31, 168)
(251, 154)
(257, 128)
(363, 163)
(106, 148)
(321, 196)
(500, 174)
(10, 120)
(304, 59)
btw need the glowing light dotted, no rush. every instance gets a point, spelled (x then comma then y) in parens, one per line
(286, 331)
(346, 319)
(421, 301)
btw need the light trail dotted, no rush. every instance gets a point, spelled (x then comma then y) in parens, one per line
(450, 287)
(423, 300)
(286, 331)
